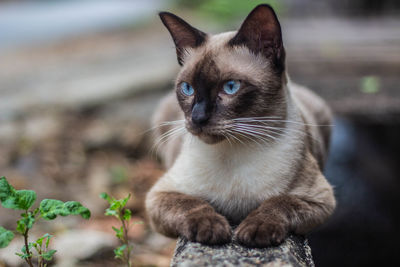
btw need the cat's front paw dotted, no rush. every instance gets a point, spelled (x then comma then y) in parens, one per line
(209, 228)
(260, 231)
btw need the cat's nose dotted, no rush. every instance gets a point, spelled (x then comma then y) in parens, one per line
(200, 115)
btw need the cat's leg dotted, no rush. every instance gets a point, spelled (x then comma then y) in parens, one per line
(300, 210)
(275, 218)
(176, 214)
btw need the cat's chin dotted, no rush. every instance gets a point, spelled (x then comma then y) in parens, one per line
(209, 138)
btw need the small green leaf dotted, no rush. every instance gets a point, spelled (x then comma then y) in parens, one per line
(40, 240)
(21, 227)
(51, 208)
(118, 232)
(5, 237)
(76, 208)
(27, 221)
(48, 239)
(49, 254)
(115, 205)
(22, 256)
(36, 211)
(110, 212)
(106, 197)
(15, 199)
(26, 198)
(6, 191)
(125, 200)
(23, 249)
(127, 215)
(119, 251)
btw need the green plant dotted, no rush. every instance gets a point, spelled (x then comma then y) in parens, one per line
(118, 210)
(48, 209)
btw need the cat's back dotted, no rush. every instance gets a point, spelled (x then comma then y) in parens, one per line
(317, 117)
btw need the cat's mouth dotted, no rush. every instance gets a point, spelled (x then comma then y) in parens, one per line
(207, 134)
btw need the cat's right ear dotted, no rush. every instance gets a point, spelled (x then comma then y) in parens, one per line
(261, 33)
(184, 35)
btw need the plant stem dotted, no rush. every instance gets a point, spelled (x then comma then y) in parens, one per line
(29, 259)
(126, 240)
(40, 262)
(40, 259)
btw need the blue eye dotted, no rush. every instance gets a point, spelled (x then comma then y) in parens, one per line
(187, 89)
(231, 87)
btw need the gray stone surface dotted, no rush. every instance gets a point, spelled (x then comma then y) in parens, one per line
(293, 252)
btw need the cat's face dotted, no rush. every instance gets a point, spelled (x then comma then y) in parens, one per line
(228, 78)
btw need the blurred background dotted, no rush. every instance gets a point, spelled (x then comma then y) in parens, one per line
(79, 81)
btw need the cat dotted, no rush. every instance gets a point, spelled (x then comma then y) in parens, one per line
(248, 146)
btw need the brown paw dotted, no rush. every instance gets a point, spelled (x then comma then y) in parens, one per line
(210, 228)
(260, 232)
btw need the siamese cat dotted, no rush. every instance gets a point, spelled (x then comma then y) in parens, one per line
(247, 145)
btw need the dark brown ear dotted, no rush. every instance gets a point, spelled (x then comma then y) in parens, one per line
(261, 33)
(184, 35)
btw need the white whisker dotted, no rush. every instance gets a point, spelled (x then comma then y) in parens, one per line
(251, 129)
(267, 128)
(165, 123)
(282, 131)
(174, 132)
(226, 135)
(268, 119)
(246, 136)
(231, 134)
(249, 132)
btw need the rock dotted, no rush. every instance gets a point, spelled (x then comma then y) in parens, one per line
(294, 251)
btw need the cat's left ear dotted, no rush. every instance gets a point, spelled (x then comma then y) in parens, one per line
(184, 35)
(261, 33)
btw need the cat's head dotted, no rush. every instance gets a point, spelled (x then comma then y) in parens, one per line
(229, 78)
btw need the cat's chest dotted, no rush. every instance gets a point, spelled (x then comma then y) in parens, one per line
(232, 180)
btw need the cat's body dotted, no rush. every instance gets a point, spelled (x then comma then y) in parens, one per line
(268, 184)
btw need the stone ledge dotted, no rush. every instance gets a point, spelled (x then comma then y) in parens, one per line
(294, 251)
